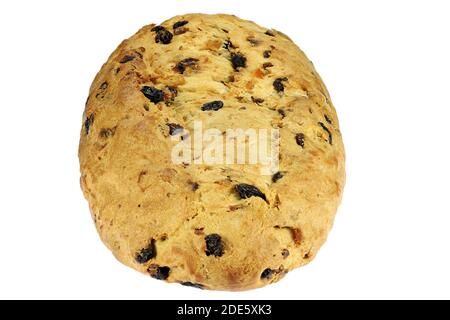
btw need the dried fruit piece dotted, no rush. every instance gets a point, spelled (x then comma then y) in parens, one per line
(127, 58)
(180, 30)
(158, 29)
(238, 60)
(104, 86)
(297, 236)
(107, 132)
(267, 274)
(183, 64)
(270, 33)
(327, 119)
(157, 272)
(300, 139)
(278, 84)
(282, 113)
(163, 36)
(179, 24)
(285, 253)
(330, 136)
(88, 123)
(277, 176)
(258, 101)
(214, 245)
(267, 65)
(175, 128)
(246, 191)
(267, 54)
(153, 94)
(194, 185)
(193, 285)
(146, 254)
(212, 106)
(228, 44)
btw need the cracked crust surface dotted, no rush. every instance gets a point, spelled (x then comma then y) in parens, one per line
(187, 223)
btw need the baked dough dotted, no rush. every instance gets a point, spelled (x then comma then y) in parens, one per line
(222, 226)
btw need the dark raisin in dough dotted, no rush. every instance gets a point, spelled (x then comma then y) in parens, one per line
(179, 24)
(278, 84)
(238, 60)
(267, 274)
(183, 64)
(228, 44)
(214, 245)
(300, 139)
(164, 37)
(88, 123)
(212, 106)
(146, 254)
(159, 273)
(127, 58)
(174, 128)
(246, 191)
(277, 176)
(158, 29)
(153, 94)
(267, 54)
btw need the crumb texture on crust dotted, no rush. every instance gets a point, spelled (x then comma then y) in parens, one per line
(218, 227)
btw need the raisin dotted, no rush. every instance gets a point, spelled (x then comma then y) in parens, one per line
(238, 61)
(277, 176)
(193, 285)
(246, 191)
(267, 54)
(270, 33)
(278, 84)
(183, 64)
(180, 24)
(300, 139)
(282, 113)
(330, 137)
(107, 132)
(212, 106)
(174, 128)
(228, 44)
(104, 86)
(180, 30)
(158, 29)
(297, 236)
(258, 101)
(159, 273)
(127, 58)
(194, 185)
(285, 253)
(88, 123)
(153, 94)
(146, 254)
(327, 119)
(267, 274)
(267, 65)
(163, 36)
(214, 245)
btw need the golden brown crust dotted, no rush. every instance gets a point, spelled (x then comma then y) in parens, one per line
(137, 194)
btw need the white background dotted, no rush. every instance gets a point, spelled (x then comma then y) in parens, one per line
(387, 67)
